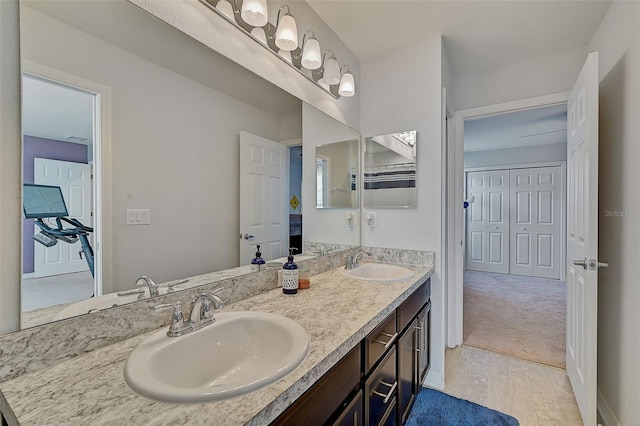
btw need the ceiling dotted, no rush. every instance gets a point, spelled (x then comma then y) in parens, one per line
(56, 112)
(540, 126)
(478, 35)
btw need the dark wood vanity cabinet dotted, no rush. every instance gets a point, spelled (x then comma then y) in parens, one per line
(423, 336)
(407, 369)
(330, 397)
(376, 383)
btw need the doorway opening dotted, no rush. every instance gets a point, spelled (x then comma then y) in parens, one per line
(513, 296)
(61, 148)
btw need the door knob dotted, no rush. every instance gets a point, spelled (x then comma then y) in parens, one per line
(590, 264)
(582, 263)
(246, 236)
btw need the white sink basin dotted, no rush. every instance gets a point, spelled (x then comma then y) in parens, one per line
(237, 354)
(380, 272)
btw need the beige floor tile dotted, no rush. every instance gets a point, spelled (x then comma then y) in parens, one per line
(535, 394)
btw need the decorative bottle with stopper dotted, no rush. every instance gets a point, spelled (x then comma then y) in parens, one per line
(257, 263)
(290, 275)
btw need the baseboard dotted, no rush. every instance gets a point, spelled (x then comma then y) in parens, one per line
(29, 275)
(608, 418)
(434, 379)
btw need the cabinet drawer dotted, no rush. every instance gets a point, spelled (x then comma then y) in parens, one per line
(410, 307)
(379, 341)
(380, 390)
(319, 403)
(353, 413)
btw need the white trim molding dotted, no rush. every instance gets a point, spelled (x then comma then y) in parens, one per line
(455, 216)
(103, 247)
(605, 411)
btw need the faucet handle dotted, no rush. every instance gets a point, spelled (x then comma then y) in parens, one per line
(177, 326)
(348, 264)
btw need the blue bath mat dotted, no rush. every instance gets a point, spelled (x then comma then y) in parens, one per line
(439, 409)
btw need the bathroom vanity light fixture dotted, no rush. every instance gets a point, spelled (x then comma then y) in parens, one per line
(331, 72)
(286, 30)
(311, 54)
(347, 86)
(281, 39)
(254, 12)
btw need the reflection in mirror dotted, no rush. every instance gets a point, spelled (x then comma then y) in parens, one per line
(390, 170)
(177, 110)
(327, 138)
(336, 173)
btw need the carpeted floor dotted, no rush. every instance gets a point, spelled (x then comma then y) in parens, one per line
(519, 316)
(433, 407)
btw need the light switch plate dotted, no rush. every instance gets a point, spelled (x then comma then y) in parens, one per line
(138, 217)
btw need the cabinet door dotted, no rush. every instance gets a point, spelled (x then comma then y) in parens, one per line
(423, 344)
(407, 369)
(318, 404)
(353, 414)
(380, 391)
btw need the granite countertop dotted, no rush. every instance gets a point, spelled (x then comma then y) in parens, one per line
(336, 311)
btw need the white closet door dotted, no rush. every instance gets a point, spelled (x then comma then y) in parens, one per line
(498, 221)
(488, 221)
(535, 222)
(476, 221)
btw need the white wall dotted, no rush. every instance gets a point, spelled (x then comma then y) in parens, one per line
(618, 42)
(174, 151)
(513, 156)
(535, 77)
(323, 225)
(11, 176)
(397, 98)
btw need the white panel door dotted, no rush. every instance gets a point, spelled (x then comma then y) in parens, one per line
(75, 181)
(536, 222)
(488, 221)
(497, 241)
(582, 239)
(263, 198)
(476, 226)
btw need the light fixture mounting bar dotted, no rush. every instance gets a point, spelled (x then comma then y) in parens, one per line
(270, 29)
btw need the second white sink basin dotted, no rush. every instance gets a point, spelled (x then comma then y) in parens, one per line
(380, 272)
(239, 353)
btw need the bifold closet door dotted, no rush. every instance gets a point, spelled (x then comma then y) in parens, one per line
(535, 222)
(488, 221)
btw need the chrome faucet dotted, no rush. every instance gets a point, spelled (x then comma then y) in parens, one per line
(201, 313)
(318, 249)
(153, 287)
(201, 309)
(352, 260)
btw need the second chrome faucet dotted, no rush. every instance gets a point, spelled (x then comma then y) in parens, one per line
(201, 313)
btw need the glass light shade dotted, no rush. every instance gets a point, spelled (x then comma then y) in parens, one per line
(287, 33)
(347, 85)
(225, 7)
(286, 55)
(254, 12)
(331, 73)
(311, 54)
(259, 34)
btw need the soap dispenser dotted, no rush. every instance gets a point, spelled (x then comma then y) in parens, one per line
(290, 275)
(257, 263)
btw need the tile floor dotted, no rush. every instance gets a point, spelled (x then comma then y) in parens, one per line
(535, 394)
(40, 293)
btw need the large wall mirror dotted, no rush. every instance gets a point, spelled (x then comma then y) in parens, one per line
(336, 175)
(390, 170)
(177, 110)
